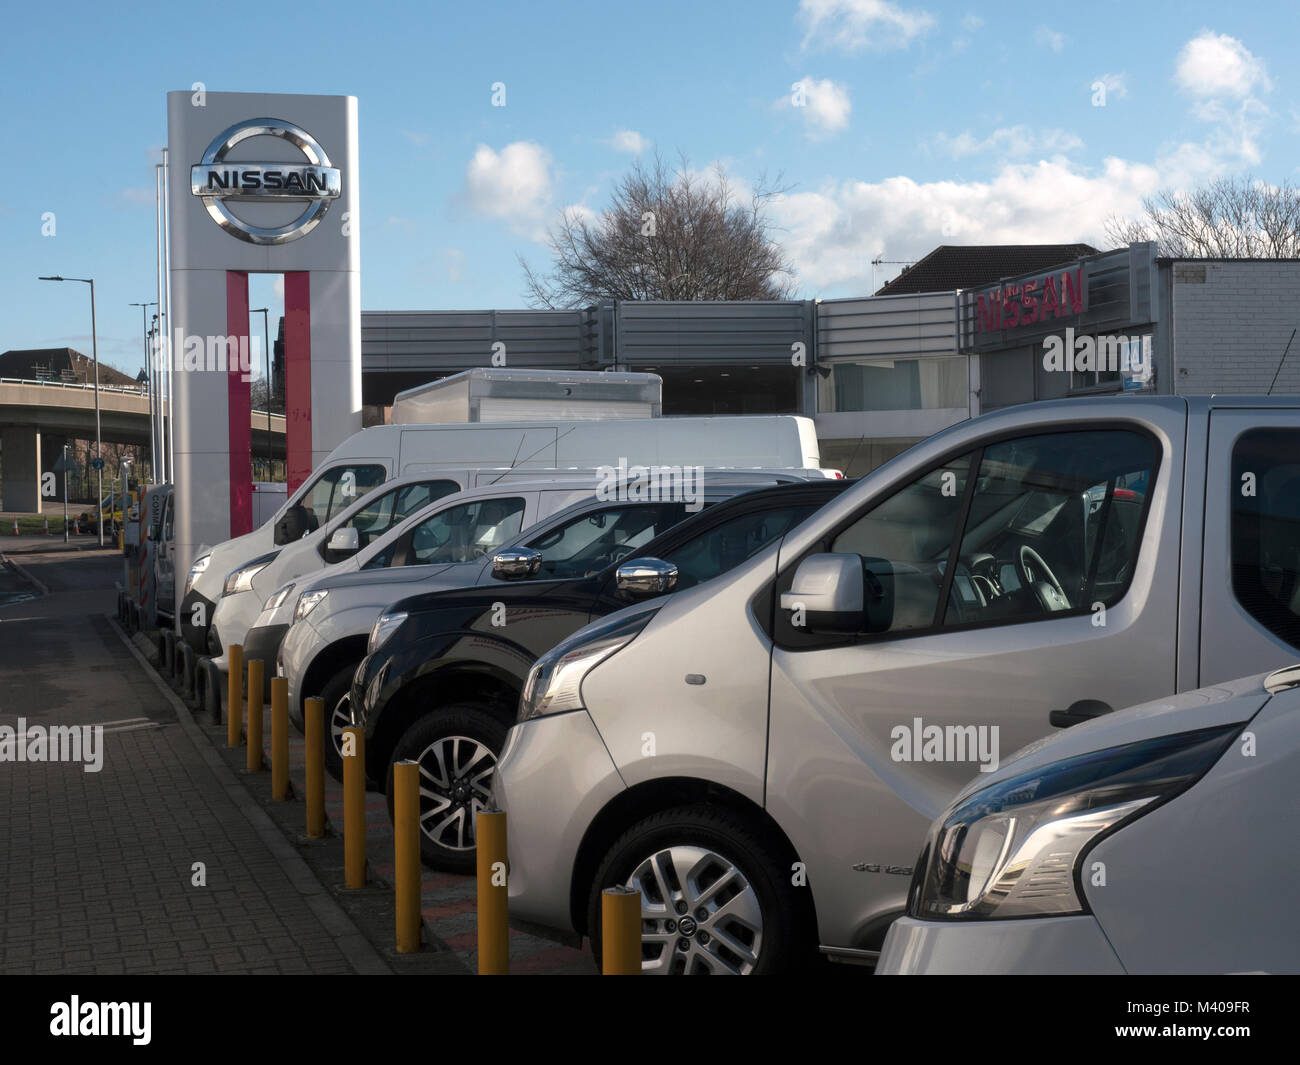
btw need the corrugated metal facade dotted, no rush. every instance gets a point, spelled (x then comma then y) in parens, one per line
(887, 327)
(711, 332)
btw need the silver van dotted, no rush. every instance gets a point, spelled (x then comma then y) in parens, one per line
(762, 754)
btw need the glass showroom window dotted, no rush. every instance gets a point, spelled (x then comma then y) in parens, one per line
(932, 383)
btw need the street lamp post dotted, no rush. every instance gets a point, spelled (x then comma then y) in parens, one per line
(148, 363)
(266, 344)
(94, 347)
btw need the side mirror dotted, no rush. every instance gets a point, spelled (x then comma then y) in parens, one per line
(516, 563)
(642, 578)
(841, 593)
(343, 543)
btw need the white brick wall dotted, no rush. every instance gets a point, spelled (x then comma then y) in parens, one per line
(1230, 331)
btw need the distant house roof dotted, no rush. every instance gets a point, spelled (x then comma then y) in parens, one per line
(58, 364)
(951, 266)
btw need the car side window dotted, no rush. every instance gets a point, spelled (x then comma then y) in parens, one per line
(1265, 529)
(1053, 526)
(589, 543)
(396, 506)
(730, 543)
(339, 487)
(466, 532)
(905, 541)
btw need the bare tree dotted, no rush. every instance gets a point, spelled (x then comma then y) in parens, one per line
(666, 236)
(1232, 218)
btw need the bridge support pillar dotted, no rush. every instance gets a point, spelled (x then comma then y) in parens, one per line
(51, 452)
(20, 469)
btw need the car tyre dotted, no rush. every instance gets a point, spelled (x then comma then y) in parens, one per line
(337, 697)
(457, 748)
(731, 906)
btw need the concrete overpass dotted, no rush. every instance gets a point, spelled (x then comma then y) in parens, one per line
(37, 417)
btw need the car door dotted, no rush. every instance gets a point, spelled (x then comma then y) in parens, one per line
(1250, 577)
(720, 546)
(578, 555)
(1004, 586)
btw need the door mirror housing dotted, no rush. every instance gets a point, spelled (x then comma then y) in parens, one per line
(516, 563)
(644, 578)
(343, 544)
(841, 593)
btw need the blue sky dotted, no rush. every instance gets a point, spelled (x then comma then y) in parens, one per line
(921, 123)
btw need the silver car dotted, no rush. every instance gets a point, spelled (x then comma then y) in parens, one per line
(1154, 840)
(762, 754)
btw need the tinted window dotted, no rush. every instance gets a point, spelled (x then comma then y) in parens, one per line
(466, 532)
(588, 544)
(905, 540)
(396, 506)
(728, 544)
(1053, 526)
(1265, 531)
(339, 487)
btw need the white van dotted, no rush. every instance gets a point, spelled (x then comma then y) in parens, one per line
(460, 452)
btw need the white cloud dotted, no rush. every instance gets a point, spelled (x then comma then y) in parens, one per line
(855, 25)
(514, 185)
(628, 140)
(416, 137)
(277, 286)
(832, 234)
(1049, 38)
(1008, 142)
(1216, 66)
(824, 105)
(1116, 85)
(971, 23)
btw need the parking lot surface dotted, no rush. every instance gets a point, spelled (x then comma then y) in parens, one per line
(149, 864)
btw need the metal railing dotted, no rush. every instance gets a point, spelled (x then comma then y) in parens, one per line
(130, 390)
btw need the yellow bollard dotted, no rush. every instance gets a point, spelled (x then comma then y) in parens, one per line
(620, 931)
(354, 807)
(406, 853)
(279, 739)
(315, 725)
(255, 681)
(234, 694)
(493, 894)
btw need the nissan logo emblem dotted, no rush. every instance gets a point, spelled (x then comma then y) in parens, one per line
(219, 183)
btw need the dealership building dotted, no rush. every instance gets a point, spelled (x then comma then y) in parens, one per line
(964, 330)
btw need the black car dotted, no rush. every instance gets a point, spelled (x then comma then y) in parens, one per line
(443, 688)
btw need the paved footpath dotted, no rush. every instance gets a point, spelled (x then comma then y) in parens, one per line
(97, 868)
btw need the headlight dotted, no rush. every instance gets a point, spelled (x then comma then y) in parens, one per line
(1016, 848)
(307, 602)
(241, 580)
(197, 570)
(554, 684)
(385, 625)
(278, 597)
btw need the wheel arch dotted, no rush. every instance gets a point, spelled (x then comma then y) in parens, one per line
(328, 662)
(651, 797)
(464, 682)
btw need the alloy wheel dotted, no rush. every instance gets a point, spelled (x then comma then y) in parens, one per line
(455, 784)
(699, 914)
